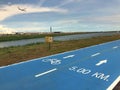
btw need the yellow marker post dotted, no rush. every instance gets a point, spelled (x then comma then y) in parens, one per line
(49, 40)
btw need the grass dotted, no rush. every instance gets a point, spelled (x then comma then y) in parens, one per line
(30, 36)
(22, 53)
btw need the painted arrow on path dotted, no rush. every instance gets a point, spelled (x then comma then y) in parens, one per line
(101, 62)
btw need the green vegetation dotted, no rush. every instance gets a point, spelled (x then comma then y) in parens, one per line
(30, 36)
(22, 53)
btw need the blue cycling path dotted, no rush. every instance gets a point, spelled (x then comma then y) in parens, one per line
(91, 68)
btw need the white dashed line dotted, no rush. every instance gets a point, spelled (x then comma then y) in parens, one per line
(95, 54)
(69, 56)
(114, 84)
(54, 55)
(41, 74)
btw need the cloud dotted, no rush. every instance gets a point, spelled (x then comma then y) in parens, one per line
(68, 2)
(41, 2)
(8, 11)
(68, 21)
(6, 30)
(111, 19)
(31, 26)
(114, 18)
(32, 29)
(27, 27)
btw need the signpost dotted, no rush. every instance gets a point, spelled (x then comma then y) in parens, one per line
(73, 70)
(49, 40)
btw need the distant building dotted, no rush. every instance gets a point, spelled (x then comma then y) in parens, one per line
(57, 32)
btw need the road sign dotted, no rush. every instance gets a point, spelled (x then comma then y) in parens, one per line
(91, 68)
(49, 39)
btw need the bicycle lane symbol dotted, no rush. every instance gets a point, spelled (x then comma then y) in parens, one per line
(52, 61)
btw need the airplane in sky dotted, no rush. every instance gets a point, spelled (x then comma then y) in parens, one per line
(22, 9)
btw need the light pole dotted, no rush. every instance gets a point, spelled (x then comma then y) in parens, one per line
(50, 29)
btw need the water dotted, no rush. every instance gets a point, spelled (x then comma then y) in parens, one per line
(57, 38)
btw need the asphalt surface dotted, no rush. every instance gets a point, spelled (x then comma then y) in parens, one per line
(92, 68)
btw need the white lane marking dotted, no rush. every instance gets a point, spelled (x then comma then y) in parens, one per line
(114, 84)
(41, 74)
(69, 56)
(52, 61)
(101, 62)
(115, 47)
(95, 54)
(36, 59)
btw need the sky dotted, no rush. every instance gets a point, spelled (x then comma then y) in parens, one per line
(61, 15)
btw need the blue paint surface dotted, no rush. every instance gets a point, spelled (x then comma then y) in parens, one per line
(75, 70)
